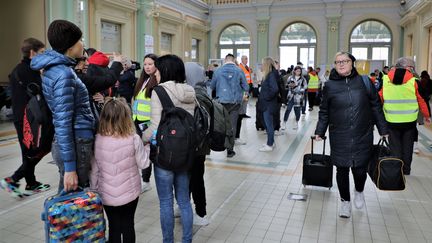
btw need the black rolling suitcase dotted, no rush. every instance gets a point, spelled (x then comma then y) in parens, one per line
(317, 168)
(259, 120)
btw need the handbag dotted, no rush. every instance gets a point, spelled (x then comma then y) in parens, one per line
(386, 170)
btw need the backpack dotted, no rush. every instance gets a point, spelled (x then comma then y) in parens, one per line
(202, 115)
(367, 83)
(176, 135)
(38, 128)
(220, 134)
(202, 122)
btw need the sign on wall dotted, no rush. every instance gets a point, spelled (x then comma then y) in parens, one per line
(148, 44)
(110, 37)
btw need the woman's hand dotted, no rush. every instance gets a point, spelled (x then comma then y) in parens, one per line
(99, 98)
(318, 137)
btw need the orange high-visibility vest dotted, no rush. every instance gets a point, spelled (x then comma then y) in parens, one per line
(247, 73)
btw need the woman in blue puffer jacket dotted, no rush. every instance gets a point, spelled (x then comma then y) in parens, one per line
(68, 100)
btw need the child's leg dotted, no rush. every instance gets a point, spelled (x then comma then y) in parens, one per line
(114, 215)
(127, 221)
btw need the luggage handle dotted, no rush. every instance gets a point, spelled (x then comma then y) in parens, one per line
(313, 138)
(382, 142)
(63, 192)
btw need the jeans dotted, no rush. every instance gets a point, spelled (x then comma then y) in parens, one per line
(305, 98)
(166, 181)
(268, 120)
(401, 142)
(196, 185)
(84, 154)
(342, 179)
(289, 108)
(121, 222)
(29, 159)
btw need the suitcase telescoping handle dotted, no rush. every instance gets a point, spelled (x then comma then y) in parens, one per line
(63, 192)
(313, 138)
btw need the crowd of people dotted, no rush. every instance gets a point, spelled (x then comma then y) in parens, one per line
(105, 120)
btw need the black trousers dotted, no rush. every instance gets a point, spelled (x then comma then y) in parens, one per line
(121, 222)
(342, 179)
(197, 187)
(239, 123)
(401, 142)
(311, 99)
(146, 173)
(29, 160)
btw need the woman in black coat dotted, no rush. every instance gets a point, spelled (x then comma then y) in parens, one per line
(268, 100)
(350, 110)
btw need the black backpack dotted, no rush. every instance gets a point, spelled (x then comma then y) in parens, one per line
(176, 136)
(38, 128)
(202, 124)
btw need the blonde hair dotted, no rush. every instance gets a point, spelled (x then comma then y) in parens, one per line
(340, 53)
(268, 65)
(116, 119)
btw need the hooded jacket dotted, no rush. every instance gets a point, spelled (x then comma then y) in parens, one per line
(18, 86)
(115, 165)
(182, 95)
(68, 100)
(350, 112)
(195, 77)
(399, 78)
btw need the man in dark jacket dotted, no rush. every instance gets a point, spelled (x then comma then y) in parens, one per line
(68, 99)
(20, 77)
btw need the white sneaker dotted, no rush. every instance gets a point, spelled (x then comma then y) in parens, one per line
(416, 150)
(295, 126)
(345, 209)
(238, 141)
(145, 186)
(358, 199)
(176, 211)
(202, 221)
(278, 133)
(283, 127)
(266, 148)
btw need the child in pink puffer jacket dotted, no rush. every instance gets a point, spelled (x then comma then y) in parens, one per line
(119, 154)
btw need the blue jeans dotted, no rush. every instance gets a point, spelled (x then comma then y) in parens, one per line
(268, 120)
(84, 154)
(289, 108)
(166, 181)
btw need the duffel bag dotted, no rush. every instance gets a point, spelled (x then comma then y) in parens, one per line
(385, 170)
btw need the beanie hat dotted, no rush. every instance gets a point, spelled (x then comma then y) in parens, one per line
(62, 35)
(100, 59)
(350, 56)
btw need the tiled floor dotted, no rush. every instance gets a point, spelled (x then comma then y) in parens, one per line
(247, 197)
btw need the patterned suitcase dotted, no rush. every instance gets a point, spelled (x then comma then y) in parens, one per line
(74, 217)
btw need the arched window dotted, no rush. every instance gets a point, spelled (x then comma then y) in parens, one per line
(234, 39)
(297, 44)
(371, 40)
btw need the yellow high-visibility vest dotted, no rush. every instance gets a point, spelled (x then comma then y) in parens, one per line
(400, 101)
(313, 82)
(141, 107)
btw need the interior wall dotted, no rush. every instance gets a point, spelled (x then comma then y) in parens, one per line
(19, 19)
